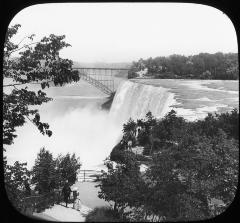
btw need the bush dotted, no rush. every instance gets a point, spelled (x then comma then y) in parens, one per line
(103, 214)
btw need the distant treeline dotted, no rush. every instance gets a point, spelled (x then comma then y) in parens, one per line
(202, 66)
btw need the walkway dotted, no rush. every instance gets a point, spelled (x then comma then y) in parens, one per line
(61, 213)
(89, 194)
(89, 199)
(45, 217)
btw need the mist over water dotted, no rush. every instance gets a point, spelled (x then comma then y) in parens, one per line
(80, 126)
(87, 131)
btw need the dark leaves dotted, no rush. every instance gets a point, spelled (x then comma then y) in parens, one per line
(43, 127)
(201, 66)
(38, 62)
(192, 164)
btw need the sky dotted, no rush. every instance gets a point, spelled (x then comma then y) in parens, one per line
(126, 32)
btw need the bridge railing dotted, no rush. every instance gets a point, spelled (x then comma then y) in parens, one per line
(106, 88)
(88, 175)
(101, 78)
(100, 68)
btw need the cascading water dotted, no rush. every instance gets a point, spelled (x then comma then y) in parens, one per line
(80, 127)
(135, 100)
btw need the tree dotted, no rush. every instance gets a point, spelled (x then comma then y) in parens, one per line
(49, 173)
(122, 183)
(194, 163)
(194, 172)
(44, 174)
(15, 180)
(37, 63)
(132, 71)
(228, 122)
(129, 132)
(67, 167)
(200, 66)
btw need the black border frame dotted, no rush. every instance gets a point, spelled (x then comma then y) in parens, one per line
(9, 8)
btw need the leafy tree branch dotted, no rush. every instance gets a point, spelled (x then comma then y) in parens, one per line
(37, 63)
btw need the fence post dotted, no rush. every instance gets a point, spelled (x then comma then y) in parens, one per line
(83, 175)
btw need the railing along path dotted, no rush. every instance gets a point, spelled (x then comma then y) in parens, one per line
(88, 175)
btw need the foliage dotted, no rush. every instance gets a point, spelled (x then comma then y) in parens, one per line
(122, 183)
(117, 153)
(169, 130)
(44, 174)
(228, 122)
(103, 214)
(68, 166)
(24, 64)
(138, 132)
(37, 63)
(196, 170)
(129, 132)
(201, 66)
(15, 182)
(192, 164)
(49, 173)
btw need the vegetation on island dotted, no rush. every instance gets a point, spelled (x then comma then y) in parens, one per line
(222, 66)
(191, 168)
(36, 63)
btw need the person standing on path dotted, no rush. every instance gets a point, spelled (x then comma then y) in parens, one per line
(75, 197)
(66, 192)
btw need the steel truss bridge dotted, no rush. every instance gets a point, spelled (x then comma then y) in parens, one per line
(101, 78)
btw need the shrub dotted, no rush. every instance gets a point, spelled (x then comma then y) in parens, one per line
(103, 214)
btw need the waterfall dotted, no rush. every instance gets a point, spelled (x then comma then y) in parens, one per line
(135, 100)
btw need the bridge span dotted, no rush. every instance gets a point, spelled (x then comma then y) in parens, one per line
(99, 77)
